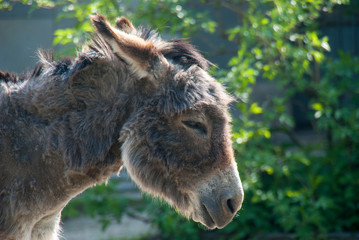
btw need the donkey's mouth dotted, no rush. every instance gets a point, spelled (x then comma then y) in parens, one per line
(208, 220)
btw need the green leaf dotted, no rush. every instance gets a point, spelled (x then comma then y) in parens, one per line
(255, 109)
(264, 21)
(314, 38)
(318, 56)
(317, 106)
(264, 132)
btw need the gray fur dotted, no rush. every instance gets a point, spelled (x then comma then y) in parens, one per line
(73, 122)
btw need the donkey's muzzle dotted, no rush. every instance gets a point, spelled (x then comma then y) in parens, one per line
(219, 198)
(218, 212)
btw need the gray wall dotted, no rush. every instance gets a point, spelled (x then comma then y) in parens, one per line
(23, 32)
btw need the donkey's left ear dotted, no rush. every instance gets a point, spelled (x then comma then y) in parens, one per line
(142, 56)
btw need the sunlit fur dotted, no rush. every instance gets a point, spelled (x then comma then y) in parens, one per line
(128, 99)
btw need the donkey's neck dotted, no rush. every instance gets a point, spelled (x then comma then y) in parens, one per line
(74, 111)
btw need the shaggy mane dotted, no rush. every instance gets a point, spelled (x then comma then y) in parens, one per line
(179, 50)
(14, 78)
(185, 54)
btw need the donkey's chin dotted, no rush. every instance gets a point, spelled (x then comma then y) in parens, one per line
(205, 219)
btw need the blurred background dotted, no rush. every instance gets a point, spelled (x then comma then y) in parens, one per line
(293, 67)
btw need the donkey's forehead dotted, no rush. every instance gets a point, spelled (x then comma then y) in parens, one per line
(198, 80)
(193, 88)
(194, 74)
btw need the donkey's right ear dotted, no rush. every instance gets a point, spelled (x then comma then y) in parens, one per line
(125, 25)
(142, 56)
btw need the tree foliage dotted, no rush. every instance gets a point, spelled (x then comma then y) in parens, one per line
(309, 188)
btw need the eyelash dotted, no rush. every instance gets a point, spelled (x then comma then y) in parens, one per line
(196, 125)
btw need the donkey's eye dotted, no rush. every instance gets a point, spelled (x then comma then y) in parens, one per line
(196, 126)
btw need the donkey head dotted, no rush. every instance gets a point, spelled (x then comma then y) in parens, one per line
(176, 143)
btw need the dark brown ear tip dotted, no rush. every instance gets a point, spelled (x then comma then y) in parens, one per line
(101, 24)
(124, 24)
(122, 20)
(98, 18)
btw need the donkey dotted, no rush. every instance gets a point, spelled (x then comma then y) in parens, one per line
(129, 99)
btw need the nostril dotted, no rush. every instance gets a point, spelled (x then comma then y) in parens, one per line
(230, 206)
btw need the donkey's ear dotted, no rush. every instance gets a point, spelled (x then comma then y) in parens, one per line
(142, 56)
(125, 25)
